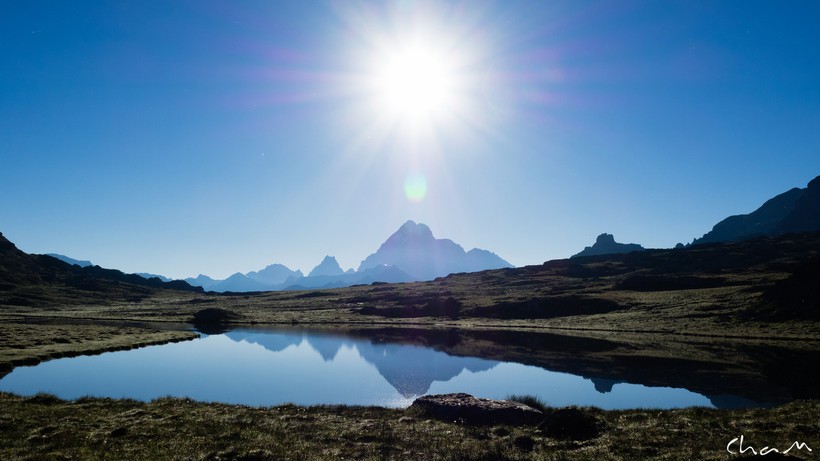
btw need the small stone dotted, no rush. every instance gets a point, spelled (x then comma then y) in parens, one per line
(524, 443)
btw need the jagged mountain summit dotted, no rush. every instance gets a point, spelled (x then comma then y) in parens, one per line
(274, 274)
(328, 266)
(154, 276)
(796, 210)
(605, 244)
(414, 250)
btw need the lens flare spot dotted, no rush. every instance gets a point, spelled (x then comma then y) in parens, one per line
(415, 187)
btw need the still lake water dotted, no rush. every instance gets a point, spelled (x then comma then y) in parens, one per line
(263, 368)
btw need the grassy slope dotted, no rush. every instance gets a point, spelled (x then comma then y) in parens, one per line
(714, 290)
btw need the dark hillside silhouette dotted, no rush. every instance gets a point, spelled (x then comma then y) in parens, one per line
(41, 280)
(796, 210)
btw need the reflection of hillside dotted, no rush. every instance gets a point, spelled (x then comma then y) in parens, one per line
(409, 369)
(604, 385)
(732, 373)
(739, 373)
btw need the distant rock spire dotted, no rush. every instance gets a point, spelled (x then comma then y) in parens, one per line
(328, 266)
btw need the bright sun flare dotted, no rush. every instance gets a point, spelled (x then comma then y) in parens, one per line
(415, 82)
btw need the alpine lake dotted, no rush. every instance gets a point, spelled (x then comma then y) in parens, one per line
(391, 366)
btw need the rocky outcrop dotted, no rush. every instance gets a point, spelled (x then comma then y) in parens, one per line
(213, 320)
(471, 410)
(605, 244)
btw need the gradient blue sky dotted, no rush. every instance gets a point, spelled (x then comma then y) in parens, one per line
(213, 137)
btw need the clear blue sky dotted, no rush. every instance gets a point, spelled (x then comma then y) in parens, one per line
(221, 136)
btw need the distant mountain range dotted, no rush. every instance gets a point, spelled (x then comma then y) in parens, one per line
(412, 253)
(72, 261)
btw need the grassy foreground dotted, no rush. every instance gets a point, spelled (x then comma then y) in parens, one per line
(44, 427)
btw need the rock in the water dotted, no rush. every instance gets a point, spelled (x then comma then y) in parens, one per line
(570, 424)
(476, 411)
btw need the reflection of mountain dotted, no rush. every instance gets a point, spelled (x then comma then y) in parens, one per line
(409, 369)
(328, 346)
(272, 342)
(412, 369)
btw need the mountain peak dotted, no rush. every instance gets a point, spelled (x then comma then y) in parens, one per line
(328, 266)
(410, 231)
(415, 251)
(605, 239)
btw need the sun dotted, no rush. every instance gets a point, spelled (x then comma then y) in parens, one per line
(415, 81)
